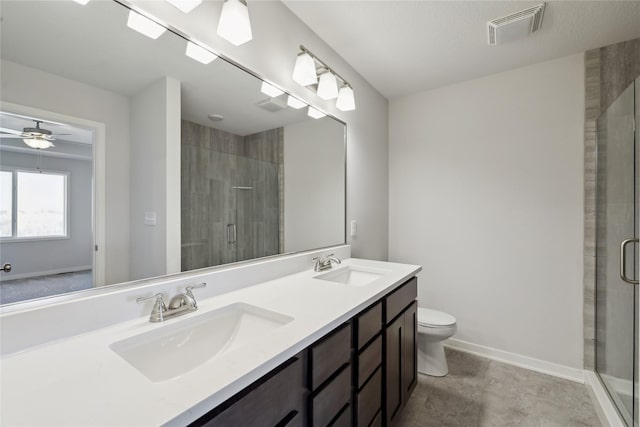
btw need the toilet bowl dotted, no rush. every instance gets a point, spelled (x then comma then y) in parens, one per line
(433, 328)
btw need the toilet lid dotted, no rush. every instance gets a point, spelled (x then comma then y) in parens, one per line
(428, 317)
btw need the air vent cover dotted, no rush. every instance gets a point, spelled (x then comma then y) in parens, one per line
(515, 26)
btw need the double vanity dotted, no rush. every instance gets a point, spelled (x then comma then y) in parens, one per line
(336, 347)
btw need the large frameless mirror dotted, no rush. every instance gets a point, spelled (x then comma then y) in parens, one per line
(124, 157)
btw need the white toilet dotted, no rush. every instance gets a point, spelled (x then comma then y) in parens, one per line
(433, 328)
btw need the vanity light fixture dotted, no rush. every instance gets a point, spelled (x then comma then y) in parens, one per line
(185, 6)
(270, 90)
(200, 54)
(330, 84)
(234, 25)
(346, 100)
(144, 25)
(295, 103)
(304, 73)
(316, 114)
(38, 143)
(82, 2)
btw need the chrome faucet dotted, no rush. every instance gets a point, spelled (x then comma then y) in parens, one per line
(324, 263)
(178, 305)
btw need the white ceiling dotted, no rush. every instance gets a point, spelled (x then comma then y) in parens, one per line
(92, 44)
(403, 47)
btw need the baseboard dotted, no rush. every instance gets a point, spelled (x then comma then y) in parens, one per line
(525, 362)
(604, 407)
(6, 278)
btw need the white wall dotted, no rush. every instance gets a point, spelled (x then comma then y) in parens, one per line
(37, 257)
(313, 185)
(277, 34)
(155, 179)
(25, 86)
(486, 192)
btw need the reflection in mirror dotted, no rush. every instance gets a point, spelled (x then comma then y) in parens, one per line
(147, 162)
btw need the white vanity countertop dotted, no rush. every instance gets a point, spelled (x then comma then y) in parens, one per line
(81, 381)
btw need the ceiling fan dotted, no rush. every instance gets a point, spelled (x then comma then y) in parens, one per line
(34, 137)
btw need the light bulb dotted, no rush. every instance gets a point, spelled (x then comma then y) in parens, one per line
(144, 25)
(328, 86)
(295, 103)
(312, 112)
(304, 72)
(199, 53)
(234, 25)
(346, 101)
(270, 90)
(82, 2)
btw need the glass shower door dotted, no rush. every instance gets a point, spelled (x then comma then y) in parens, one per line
(616, 222)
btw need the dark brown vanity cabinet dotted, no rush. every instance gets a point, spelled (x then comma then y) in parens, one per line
(360, 374)
(401, 348)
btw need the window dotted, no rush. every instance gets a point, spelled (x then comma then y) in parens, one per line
(33, 204)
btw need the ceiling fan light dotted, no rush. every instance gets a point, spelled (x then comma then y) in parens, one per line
(234, 25)
(328, 86)
(304, 73)
(144, 25)
(295, 103)
(346, 100)
(38, 143)
(185, 6)
(316, 114)
(270, 90)
(82, 2)
(199, 53)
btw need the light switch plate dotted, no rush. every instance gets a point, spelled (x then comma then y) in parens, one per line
(150, 218)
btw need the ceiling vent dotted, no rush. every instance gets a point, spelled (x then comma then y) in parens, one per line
(515, 26)
(272, 104)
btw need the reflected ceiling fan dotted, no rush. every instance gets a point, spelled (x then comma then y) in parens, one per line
(35, 137)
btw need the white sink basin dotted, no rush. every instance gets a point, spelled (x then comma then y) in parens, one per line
(176, 348)
(354, 276)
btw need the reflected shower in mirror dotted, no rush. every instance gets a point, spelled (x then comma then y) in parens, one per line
(185, 164)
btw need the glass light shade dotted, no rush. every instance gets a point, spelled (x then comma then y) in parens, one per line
(304, 72)
(328, 86)
(234, 25)
(199, 53)
(270, 90)
(82, 2)
(39, 143)
(185, 6)
(144, 25)
(295, 103)
(315, 113)
(346, 100)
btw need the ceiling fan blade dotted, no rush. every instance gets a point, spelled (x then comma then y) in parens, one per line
(8, 136)
(11, 131)
(60, 134)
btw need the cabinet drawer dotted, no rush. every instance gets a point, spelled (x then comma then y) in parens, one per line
(370, 399)
(329, 354)
(369, 324)
(377, 421)
(257, 405)
(344, 419)
(369, 360)
(397, 301)
(331, 399)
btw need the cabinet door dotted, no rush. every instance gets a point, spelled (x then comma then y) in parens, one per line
(409, 363)
(393, 368)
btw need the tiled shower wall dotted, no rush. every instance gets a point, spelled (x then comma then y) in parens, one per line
(230, 179)
(608, 71)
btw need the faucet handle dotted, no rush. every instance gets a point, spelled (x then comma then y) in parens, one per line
(189, 292)
(157, 313)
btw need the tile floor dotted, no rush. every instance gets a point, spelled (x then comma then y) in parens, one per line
(482, 392)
